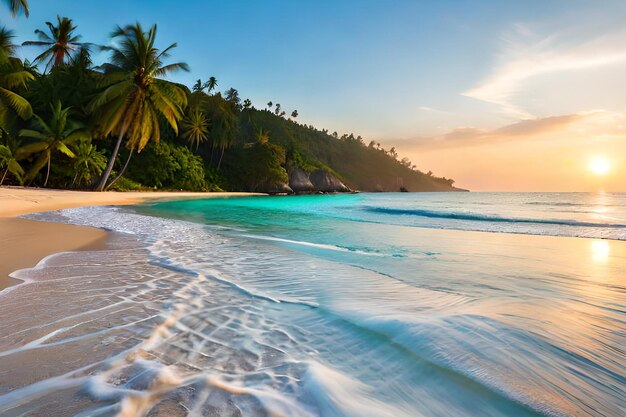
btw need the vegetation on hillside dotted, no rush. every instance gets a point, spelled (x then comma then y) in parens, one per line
(66, 122)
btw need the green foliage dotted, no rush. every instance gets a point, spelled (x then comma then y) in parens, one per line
(129, 99)
(89, 162)
(14, 79)
(256, 167)
(125, 184)
(359, 166)
(50, 138)
(170, 166)
(136, 97)
(195, 127)
(9, 163)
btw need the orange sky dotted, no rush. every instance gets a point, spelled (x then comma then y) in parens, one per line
(549, 154)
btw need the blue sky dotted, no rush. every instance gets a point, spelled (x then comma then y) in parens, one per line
(407, 73)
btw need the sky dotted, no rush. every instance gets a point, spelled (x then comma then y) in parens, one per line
(499, 95)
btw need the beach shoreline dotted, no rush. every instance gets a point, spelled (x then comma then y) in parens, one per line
(24, 243)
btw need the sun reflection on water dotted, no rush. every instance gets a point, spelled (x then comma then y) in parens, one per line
(600, 250)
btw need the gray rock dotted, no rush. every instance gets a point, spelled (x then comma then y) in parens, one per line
(326, 182)
(299, 181)
(279, 188)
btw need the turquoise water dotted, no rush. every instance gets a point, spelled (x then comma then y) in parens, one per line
(374, 305)
(506, 313)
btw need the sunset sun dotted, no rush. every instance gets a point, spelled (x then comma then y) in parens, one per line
(599, 166)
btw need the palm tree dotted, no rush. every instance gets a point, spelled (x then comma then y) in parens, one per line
(18, 6)
(8, 161)
(60, 44)
(195, 128)
(232, 95)
(51, 137)
(89, 162)
(7, 48)
(211, 84)
(247, 103)
(294, 114)
(13, 76)
(263, 136)
(135, 97)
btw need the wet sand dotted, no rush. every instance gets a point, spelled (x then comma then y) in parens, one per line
(23, 243)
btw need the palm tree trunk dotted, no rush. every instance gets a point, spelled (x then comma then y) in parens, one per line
(4, 176)
(48, 172)
(220, 161)
(109, 168)
(123, 169)
(74, 180)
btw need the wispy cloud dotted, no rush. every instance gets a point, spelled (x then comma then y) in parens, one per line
(596, 124)
(525, 54)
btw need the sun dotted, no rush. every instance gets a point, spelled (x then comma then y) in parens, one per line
(600, 165)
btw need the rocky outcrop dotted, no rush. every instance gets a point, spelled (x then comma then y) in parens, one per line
(326, 182)
(279, 188)
(299, 182)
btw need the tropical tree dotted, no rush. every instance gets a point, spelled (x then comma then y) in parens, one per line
(51, 138)
(224, 122)
(195, 128)
(9, 162)
(247, 103)
(269, 104)
(232, 95)
(198, 86)
(18, 6)
(294, 114)
(89, 162)
(59, 45)
(263, 136)
(211, 84)
(135, 97)
(7, 47)
(13, 77)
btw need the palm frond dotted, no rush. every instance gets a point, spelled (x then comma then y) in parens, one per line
(18, 103)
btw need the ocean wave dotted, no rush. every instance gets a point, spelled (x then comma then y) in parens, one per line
(488, 218)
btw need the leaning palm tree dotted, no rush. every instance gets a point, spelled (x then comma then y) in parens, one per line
(195, 128)
(135, 97)
(60, 44)
(51, 137)
(18, 6)
(14, 76)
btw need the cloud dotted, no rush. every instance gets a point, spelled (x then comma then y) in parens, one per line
(596, 124)
(525, 54)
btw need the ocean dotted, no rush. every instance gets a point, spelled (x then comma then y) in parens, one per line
(408, 304)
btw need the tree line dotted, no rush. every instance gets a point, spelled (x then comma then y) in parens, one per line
(66, 122)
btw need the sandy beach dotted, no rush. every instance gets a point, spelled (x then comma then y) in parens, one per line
(23, 243)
